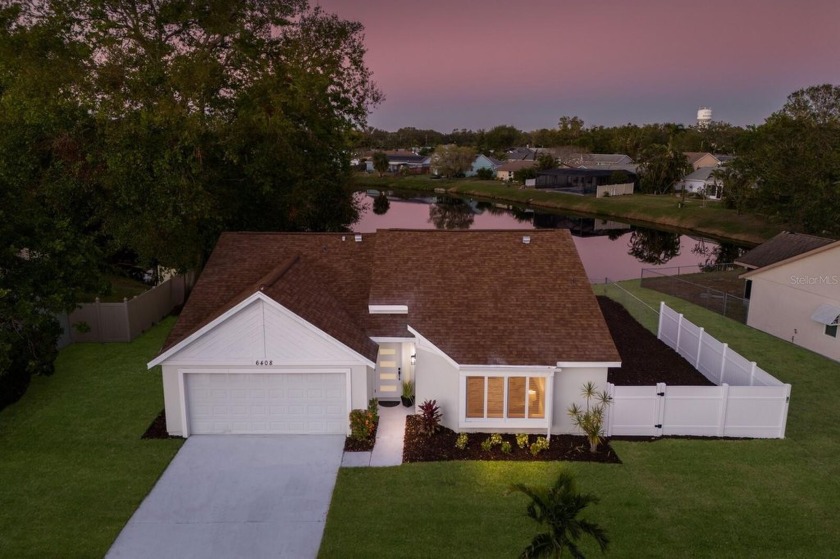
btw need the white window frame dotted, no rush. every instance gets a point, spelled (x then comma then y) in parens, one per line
(465, 422)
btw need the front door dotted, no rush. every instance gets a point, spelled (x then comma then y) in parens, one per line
(389, 371)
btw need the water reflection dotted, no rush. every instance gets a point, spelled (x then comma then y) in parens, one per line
(652, 246)
(381, 204)
(716, 254)
(607, 248)
(451, 213)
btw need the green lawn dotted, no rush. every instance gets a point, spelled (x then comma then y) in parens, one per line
(670, 498)
(710, 219)
(72, 465)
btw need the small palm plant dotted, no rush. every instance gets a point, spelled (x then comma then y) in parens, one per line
(590, 419)
(558, 508)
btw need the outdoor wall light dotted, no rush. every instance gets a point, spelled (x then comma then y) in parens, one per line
(413, 358)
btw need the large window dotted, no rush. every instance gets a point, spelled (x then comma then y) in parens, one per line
(505, 397)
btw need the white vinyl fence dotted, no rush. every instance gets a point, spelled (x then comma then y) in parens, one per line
(747, 401)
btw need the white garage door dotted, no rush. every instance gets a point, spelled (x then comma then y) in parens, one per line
(254, 403)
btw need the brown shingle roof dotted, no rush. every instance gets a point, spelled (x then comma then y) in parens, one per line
(781, 247)
(483, 297)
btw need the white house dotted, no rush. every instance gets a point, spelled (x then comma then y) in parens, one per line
(703, 182)
(286, 332)
(796, 297)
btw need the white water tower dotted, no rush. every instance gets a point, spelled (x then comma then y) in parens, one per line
(704, 116)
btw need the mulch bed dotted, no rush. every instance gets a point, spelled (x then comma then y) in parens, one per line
(441, 447)
(644, 359)
(157, 430)
(352, 445)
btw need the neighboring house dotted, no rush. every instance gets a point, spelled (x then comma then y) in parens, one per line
(699, 159)
(703, 182)
(583, 181)
(506, 170)
(404, 162)
(483, 162)
(286, 333)
(521, 154)
(794, 290)
(596, 160)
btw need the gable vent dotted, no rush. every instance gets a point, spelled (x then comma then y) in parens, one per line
(388, 309)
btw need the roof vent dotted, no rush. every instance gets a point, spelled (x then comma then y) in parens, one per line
(526, 240)
(358, 238)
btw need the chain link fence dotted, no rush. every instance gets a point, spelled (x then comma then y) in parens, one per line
(712, 290)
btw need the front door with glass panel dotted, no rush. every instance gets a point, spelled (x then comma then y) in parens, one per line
(389, 371)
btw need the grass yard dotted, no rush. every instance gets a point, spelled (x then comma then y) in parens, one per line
(72, 465)
(670, 498)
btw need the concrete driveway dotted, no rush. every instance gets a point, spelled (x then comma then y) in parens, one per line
(237, 496)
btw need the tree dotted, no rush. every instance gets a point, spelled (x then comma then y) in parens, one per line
(236, 115)
(48, 249)
(501, 138)
(451, 160)
(153, 126)
(380, 162)
(521, 175)
(660, 166)
(546, 161)
(794, 159)
(557, 508)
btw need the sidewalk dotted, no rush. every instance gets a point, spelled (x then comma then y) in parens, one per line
(388, 449)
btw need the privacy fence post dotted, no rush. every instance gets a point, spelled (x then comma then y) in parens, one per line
(722, 363)
(661, 315)
(699, 348)
(661, 388)
(752, 373)
(724, 403)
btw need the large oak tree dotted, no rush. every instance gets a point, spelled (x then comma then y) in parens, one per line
(153, 126)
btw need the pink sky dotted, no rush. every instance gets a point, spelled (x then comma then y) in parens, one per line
(479, 63)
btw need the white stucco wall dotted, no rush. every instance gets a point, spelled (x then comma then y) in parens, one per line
(567, 390)
(783, 299)
(436, 379)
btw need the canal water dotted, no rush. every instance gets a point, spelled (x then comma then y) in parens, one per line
(609, 249)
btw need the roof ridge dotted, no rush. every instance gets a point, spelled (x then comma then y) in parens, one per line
(278, 272)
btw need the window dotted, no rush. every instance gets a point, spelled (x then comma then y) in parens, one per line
(505, 397)
(831, 330)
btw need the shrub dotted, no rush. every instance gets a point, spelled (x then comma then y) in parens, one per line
(521, 440)
(539, 445)
(590, 419)
(485, 174)
(362, 423)
(430, 417)
(493, 440)
(373, 408)
(461, 441)
(505, 447)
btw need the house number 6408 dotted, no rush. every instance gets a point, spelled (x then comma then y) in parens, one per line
(258, 362)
